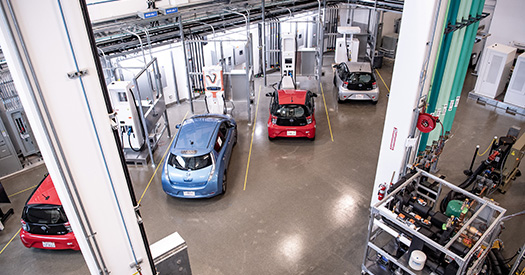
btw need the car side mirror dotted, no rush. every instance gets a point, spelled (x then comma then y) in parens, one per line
(177, 126)
(314, 94)
(270, 94)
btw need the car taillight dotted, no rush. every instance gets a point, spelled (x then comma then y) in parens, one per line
(24, 225)
(274, 120)
(374, 85)
(67, 225)
(309, 120)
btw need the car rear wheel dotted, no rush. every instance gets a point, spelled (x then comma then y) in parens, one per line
(270, 138)
(224, 184)
(312, 139)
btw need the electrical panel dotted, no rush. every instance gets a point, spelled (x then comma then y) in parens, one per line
(494, 70)
(516, 91)
(9, 162)
(13, 115)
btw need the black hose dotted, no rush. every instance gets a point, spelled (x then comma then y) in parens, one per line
(501, 261)
(494, 263)
(131, 146)
(141, 124)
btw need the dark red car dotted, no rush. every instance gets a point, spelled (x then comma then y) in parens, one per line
(44, 222)
(291, 114)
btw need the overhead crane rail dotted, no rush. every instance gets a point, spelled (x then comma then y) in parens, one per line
(111, 36)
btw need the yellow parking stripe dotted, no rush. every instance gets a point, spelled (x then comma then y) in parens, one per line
(382, 80)
(161, 162)
(20, 192)
(251, 142)
(10, 241)
(327, 116)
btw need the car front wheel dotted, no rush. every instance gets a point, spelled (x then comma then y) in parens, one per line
(224, 184)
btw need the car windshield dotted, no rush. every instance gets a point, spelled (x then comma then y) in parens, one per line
(291, 111)
(193, 163)
(47, 214)
(360, 81)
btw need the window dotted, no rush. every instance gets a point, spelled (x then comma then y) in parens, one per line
(193, 163)
(360, 81)
(221, 137)
(291, 111)
(45, 214)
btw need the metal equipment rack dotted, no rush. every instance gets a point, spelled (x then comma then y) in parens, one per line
(385, 230)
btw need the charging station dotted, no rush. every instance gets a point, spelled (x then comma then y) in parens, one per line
(214, 89)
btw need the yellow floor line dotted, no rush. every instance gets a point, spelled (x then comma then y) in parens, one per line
(382, 80)
(20, 192)
(251, 142)
(327, 116)
(10, 241)
(160, 164)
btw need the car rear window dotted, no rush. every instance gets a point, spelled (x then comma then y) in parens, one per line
(360, 81)
(193, 163)
(291, 111)
(46, 214)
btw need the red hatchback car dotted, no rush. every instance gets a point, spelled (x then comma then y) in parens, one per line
(44, 222)
(291, 114)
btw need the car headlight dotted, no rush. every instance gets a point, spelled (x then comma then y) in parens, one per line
(212, 172)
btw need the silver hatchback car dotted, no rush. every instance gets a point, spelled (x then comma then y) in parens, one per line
(355, 81)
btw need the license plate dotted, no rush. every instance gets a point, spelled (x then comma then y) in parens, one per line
(189, 193)
(359, 96)
(49, 244)
(291, 133)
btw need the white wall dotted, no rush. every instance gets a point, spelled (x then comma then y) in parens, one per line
(508, 23)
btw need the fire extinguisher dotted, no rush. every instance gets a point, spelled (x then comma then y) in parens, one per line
(382, 191)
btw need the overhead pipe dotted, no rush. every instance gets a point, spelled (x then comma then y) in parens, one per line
(459, 80)
(181, 34)
(440, 67)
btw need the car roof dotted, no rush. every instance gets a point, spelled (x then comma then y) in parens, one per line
(45, 193)
(292, 96)
(195, 134)
(359, 67)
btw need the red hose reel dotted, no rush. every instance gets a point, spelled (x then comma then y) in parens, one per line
(426, 122)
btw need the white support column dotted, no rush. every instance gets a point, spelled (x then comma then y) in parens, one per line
(417, 28)
(43, 41)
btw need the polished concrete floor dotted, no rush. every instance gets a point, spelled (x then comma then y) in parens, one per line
(304, 206)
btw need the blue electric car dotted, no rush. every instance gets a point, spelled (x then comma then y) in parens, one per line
(197, 163)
